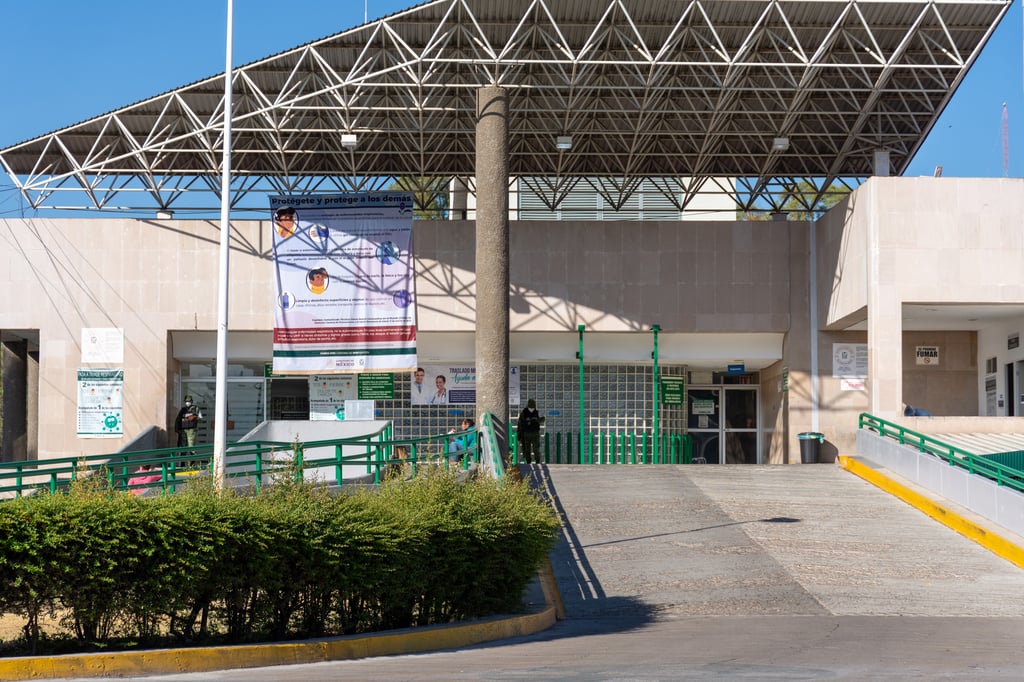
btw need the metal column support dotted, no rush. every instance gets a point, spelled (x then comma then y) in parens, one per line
(579, 354)
(657, 433)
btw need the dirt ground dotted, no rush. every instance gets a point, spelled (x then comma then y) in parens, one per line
(11, 626)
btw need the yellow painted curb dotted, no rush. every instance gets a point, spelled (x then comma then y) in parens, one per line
(206, 659)
(986, 538)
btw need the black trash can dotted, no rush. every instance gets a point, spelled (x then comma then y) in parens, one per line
(810, 446)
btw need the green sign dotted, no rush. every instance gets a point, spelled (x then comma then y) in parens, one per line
(268, 372)
(671, 390)
(377, 386)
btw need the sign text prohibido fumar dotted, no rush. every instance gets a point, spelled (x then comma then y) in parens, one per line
(344, 283)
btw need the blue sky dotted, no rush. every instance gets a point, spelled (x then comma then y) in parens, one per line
(65, 61)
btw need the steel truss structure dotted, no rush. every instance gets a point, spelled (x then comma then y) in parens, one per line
(745, 97)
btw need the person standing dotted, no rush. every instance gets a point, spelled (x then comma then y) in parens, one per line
(528, 431)
(187, 422)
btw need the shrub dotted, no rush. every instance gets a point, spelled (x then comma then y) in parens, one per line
(292, 561)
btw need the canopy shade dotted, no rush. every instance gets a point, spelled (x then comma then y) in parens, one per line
(751, 95)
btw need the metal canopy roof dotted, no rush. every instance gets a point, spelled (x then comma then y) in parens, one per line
(680, 91)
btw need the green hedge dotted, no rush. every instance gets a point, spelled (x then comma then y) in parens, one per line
(290, 562)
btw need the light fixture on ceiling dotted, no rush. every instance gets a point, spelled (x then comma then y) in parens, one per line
(780, 144)
(349, 140)
(563, 142)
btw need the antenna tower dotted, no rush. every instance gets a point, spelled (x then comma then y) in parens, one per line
(1006, 143)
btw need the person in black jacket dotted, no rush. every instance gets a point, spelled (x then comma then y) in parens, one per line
(528, 431)
(186, 423)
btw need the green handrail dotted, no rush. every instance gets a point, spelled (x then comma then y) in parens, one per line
(975, 464)
(606, 447)
(254, 460)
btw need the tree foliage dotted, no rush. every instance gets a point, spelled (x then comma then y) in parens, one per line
(430, 196)
(804, 202)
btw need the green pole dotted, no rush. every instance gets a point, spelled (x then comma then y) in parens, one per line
(657, 434)
(579, 354)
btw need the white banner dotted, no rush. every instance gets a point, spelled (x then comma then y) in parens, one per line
(344, 283)
(100, 403)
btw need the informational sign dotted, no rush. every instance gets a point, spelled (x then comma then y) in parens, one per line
(358, 410)
(736, 368)
(850, 360)
(453, 385)
(377, 386)
(328, 393)
(702, 406)
(853, 384)
(927, 355)
(100, 403)
(671, 390)
(344, 283)
(103, 345)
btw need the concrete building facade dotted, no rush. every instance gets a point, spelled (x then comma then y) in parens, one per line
(903, 264)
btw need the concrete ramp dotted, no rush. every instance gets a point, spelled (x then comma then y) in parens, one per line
(762, 540)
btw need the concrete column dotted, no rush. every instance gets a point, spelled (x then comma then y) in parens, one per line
(492, 278)
(885, 328)
(883, 169)
(13, 440)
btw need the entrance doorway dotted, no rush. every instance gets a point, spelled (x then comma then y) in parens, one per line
(1014, 390)
(289, 399)
(723, 422)
(244, 405)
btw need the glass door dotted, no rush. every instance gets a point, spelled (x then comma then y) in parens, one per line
(740, 425)
(728, 439)
(244, 406)
(702, 423)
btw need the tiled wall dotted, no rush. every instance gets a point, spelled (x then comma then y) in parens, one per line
(618, 399)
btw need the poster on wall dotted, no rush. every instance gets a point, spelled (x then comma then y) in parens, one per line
(100, 403)
(453, 385)
(333, 397)
(343, 283)
(328, 393)
(927, 355)
(850, 365)
(103, 345)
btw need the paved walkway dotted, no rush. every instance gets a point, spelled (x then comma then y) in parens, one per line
(740, 572)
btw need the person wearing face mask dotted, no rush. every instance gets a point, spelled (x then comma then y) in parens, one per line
(186, 423)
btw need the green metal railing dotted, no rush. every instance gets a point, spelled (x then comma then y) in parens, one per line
(982, 465)
(610, 448)
(253, 463)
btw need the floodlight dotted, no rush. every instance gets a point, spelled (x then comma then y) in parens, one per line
(780, 144)
(349, 140)
(563, 142)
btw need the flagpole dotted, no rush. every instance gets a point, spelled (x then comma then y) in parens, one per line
(220, 409)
